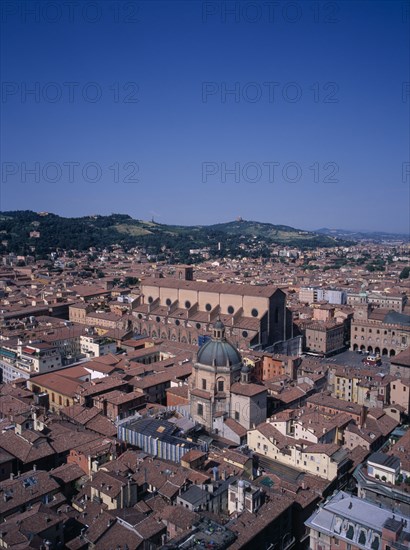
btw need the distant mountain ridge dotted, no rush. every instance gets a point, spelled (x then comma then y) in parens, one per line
(23, 230)
(376, 236)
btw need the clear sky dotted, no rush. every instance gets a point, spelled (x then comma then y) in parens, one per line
(198, 112)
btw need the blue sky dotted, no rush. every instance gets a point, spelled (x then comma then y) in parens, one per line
(199, 112)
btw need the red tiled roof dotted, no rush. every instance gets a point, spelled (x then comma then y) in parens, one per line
(248, 390)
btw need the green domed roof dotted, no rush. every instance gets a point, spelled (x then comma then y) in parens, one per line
(218, 352)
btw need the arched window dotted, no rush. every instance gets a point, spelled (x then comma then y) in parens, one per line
(362, 537)
(375, 543)
(350, 532)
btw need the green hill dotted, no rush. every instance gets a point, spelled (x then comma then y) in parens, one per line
(173, 241)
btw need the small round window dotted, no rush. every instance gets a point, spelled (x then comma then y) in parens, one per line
(177, 322)
(244, 333)
(254, 312)
(158, 319)
(208, 307)
(150, 299)
(139, 315)
(231, 309)
(198, 326)
(187, 304)
(168, 301)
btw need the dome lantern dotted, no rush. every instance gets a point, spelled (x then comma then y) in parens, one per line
(219, 330)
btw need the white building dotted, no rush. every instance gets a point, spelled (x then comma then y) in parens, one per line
(95, 346)
(243, 496)
(312, 295)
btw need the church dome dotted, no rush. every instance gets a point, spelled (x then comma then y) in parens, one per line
(218, 352)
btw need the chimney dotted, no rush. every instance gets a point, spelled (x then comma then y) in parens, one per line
(363, 416)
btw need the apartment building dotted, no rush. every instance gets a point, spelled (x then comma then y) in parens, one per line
(95, 346)
(364, 386)
(28, 360)
(324, 338)
(242, 495)
(400, 365)
(400, 394)
(376, 299)
(312, 295)
(326, 460)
